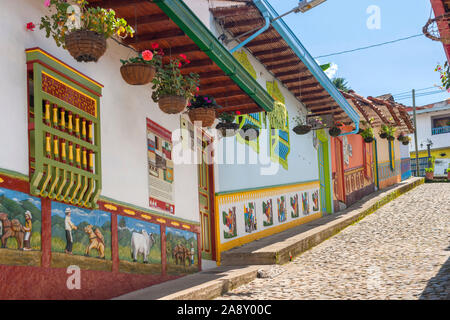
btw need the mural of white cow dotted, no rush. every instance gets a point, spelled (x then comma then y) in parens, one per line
(141, 243)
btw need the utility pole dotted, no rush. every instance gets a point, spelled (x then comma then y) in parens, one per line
(415, 131)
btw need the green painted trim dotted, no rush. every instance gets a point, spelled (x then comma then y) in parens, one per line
(60, 66)
(323, 138)
(375, 148)
(149, 211)
(265, 187)
(14, 174)
(182, 15)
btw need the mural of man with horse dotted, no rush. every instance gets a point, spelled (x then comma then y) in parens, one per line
(69, 226)
(11, 228)
(27, 229)
(96, 241)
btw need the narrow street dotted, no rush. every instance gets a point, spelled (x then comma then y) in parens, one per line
(402, 251)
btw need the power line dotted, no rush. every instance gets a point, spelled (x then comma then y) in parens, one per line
(409, 92)
(408, 95)
(424, 94)
(368, 47)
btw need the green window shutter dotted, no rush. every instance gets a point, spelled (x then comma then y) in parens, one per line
(64, 131)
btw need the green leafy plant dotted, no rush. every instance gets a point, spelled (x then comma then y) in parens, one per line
(429, 169)
(445, 75)
(65, 19)
(367, 133)
(169, 81)
(202, 101)
(228, 117)
(388, 131)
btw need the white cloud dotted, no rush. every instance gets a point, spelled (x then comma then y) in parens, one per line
(37, 203)
(332, 70)
(16, 200)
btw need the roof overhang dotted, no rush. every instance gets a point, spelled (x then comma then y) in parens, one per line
(282, 53)
(441, 7)
(178, 30)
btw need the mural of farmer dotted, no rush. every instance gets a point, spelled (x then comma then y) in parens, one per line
(27, 228)
(192, 253)
(69, 226)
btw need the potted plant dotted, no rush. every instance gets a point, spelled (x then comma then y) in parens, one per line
(448, 173)
(302, 126)
(171, 89)
(367, 135)
(249, 132)
(429, 173)
(335, 130)
(202, 108)
(406, 140)
(388, 132)
(82, 33)
(226, 126)
(277, 117)
(140, 70)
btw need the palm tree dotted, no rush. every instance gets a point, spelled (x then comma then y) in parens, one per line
(341, 84)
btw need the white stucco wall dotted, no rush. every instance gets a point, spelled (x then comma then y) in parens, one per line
(123, 113)
(424, 126)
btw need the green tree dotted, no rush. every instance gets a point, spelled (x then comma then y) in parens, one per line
(341, 84)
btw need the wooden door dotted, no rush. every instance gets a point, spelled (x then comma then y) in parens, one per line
(340, 186)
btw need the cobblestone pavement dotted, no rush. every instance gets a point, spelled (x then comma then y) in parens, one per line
(401, 251)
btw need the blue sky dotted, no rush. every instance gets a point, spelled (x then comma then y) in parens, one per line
(137, 225)
(78, 215)
(339, 25)
(19, 196)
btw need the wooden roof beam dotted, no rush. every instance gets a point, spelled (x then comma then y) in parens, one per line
(286, 65)
(279, 58)
(291, 73)
(147, 19)
(306, 77)
(155, 36)
(257, 43)
(270, 51)
(307, 99)
(113, 4)
(244, 23)
(218, 84)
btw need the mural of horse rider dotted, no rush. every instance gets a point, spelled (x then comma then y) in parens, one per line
(27, 228)
(69, 226)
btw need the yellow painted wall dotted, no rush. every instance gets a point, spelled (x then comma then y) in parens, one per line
(435, 153)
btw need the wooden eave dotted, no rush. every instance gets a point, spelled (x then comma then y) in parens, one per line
(178, 31)
(278, 58)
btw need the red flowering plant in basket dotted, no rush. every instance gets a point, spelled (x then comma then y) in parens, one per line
(141, 69)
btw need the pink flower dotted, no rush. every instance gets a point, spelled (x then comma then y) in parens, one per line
(147, 55)
(183, 56)
(155, 45)
(188, 61)
(31, 26)
(47, 3)
(448, 90)
(179, 64)
(238, 112)
(198, 89)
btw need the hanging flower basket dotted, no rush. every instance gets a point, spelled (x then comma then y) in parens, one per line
(85, 45)
(383, 135)
(368, 139)
(405, 142)
(206, 116)
(227, 129)
(172, 104)
(390, 138)
(249, 132)
(137, 73)
(334, 131)
(302, 129)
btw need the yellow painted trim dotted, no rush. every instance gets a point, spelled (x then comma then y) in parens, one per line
(161, 220)
(130, 212)
(1, 180)
(67, 85)
(176, 224)
(217, 227)
(65, 66)
(110, 207)
(265, 233)
(146, 217)
(186, 226)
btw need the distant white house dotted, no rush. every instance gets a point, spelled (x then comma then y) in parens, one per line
(433, 127)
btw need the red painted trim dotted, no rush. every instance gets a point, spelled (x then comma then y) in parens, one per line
(65, 76)
(199, 252)
(46, 233)
(439, 10)
(114, 243)
(65, 64)
(163, 250)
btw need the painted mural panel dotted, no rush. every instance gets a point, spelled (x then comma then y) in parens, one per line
(182, 251)
(250, 217)
(258, 211)
(229, 221)
(139, 246)
(80, 237)
(20, 228)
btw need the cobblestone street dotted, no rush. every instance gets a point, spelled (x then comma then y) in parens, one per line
(402, 251)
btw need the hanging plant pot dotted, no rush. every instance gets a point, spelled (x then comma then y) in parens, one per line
(85, 45)
(368, 140)
(401, 138)
(249, 133)
(137, 73)
(302, 129)
(360, 131)
(405, 142)
(227, 129)
(383, 135)
(391, 138)
(172, 104)
(334, 131)
(205, 115)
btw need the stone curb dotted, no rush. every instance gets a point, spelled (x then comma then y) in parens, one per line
(280, 253)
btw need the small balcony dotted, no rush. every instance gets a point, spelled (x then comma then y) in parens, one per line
(440, 130)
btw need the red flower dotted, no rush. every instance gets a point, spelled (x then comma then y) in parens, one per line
(238, 112)
(161, 52)
(30, 26)
(147, 55)
(155, 45)
(183, 56)
(198, 89)
(179, 64)
(188, 61)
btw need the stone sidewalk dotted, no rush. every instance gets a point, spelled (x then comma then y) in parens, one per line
(280, 248)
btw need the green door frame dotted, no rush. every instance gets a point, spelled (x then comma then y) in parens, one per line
(323, 138)
(375, 154)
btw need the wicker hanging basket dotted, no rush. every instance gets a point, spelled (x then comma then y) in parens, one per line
(302, 129)
(137, 74)
(227, 129)
(368, 139)
(172, 104)
(85, 45)
(334, 131)
(405, 142)
(205, 115)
